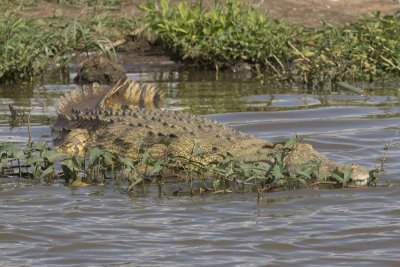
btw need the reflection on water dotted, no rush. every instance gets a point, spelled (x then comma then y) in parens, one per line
(58, 225)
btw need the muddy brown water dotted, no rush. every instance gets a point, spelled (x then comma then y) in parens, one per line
(104, 226)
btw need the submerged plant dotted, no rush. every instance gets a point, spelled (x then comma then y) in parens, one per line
(224, 174)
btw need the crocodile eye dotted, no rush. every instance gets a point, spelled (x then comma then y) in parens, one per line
(172, 136)
(214, 149)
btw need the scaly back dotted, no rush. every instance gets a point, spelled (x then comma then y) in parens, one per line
(125, 93)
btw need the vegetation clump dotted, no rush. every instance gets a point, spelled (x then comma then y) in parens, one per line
(232, 31)
(216, 36)
(226, 174)
(29, 48)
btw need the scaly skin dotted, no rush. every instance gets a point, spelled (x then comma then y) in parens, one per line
(119, 130)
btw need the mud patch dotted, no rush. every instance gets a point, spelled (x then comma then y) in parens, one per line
(305, 12)
(140, 54)
(101, 70)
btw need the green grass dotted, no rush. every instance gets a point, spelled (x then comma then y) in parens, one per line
(213, 37)
(232, 31)
(30, 48)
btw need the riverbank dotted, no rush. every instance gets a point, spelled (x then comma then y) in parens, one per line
(229, 35)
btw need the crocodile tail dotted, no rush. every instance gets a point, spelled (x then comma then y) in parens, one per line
(125, 93)
(130, 93)
(81, 98)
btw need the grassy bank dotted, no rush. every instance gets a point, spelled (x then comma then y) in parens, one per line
(215, 36)
(29, 48)
(40, 162)
(233, 31)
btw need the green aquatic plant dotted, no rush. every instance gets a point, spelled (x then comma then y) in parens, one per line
(224, 174)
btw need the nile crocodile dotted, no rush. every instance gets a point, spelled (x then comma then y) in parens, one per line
(117, 118)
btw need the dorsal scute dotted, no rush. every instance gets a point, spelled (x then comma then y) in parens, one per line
(80, 98)
(125, 93)
(131, 94)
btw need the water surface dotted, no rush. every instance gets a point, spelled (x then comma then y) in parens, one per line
(104, 226)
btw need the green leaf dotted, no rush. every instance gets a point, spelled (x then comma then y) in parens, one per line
(278, 157)
(4, 163)
(138, 179)
(307, 169)
(230, 157)
(108, 158)
(348, 172)
(48, 171)
(373, 177)
(181, 9)
(36, 170)
(95, 156)
(216, 184)
(178, 29)
(302, 181)
(144, 8)
(346, 86)
(34, 160)
(7, 147)
(164, 6)
(73, 164)
(146, 157)
(53, 155)
(140, 143)
(40, 146)
(277, 172)
(197, 150)
(19, 154)
(77, 182)
(68, 173)
(156, 168)
(126, 162)
(336, 175)
(290, 142)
